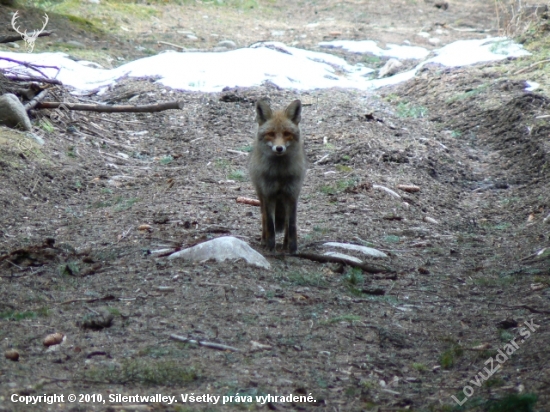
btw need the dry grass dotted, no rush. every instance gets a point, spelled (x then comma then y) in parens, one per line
(516, 17)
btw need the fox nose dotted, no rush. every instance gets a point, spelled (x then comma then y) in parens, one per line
(279, 149)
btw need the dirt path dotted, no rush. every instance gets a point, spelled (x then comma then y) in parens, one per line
(466, 282)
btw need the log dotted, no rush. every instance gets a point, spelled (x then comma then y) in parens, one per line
(36, 100)
(17, 37)
(159, 107)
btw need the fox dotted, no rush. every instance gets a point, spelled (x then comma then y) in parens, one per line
(277, 167)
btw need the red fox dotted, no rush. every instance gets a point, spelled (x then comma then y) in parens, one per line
(277, 167)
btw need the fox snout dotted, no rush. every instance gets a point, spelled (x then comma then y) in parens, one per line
(278, 147)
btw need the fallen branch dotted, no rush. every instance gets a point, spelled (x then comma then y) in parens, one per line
(31, 66)
(88, 300)
(212, 345)
(31, 79)
(248, 201)
(525, 69)
(39, 97)
(529, 308)
(385, 189)
(333, 259)
(237, 152)
(159, 107)
(172, 45)
(17, 37)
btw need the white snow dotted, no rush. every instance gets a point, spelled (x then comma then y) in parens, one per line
(369, 46)
(285, 66)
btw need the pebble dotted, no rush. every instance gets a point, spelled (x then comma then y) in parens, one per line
(75, 43)
(229, 44)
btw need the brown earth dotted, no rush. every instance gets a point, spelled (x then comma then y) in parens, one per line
(466, 277)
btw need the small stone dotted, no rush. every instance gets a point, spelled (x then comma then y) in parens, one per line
(12, 355)
(434, 40)
(335, 33)
(13, 113)
(76, 44)
(227, 44)
(192, 37)
(391, 67)
(13, 45)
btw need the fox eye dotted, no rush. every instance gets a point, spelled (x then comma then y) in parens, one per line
(269, 135)
(288, 135)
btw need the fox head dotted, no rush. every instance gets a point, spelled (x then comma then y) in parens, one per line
(279, 130)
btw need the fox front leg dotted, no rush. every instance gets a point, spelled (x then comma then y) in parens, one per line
(268, 225)
(291, 241)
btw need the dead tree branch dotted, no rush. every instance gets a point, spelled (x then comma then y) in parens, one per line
(31, 66)
(333, 259)
(212, 345)
(17, 78)
(32, 103)
(159, 107)
(17, 37)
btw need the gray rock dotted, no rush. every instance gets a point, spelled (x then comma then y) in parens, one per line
(12, 112)
(391, 67)
(13, 45)
(36, 138)
(76, 44)
(230, 44)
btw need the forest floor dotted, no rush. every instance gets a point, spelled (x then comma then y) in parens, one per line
(83, 215)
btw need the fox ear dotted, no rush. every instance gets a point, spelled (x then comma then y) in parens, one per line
(294, 111)
(263, 111)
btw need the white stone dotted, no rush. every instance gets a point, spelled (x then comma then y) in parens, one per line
(220, 249)
(13, 113)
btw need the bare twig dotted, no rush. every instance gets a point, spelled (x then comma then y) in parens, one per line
(31, 66)
(237, 152)
(525, 69)
(171, 44)
(321, 159)
(529, 308)
(385, 189)
(248, 201)
(31, 79)
(211, 345)
(32, 103)
(88, 300)
(112, 109)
